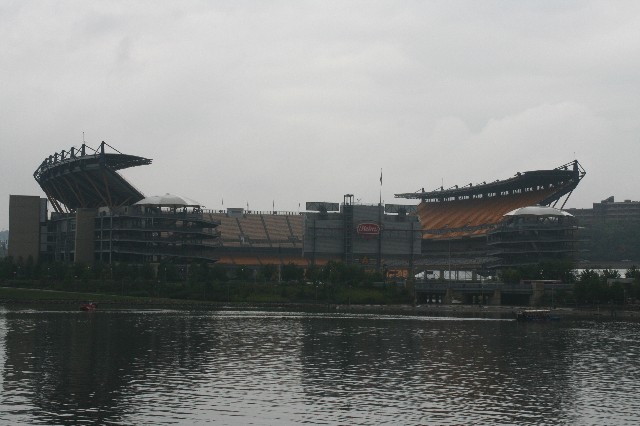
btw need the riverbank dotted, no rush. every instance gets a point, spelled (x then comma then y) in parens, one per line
(11, 296)
(488, 311)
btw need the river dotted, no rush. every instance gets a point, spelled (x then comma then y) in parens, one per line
(131, 367)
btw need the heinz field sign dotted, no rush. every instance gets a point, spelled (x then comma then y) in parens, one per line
(368, 229)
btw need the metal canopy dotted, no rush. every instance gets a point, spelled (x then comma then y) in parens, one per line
(88, 178)
(565, 178)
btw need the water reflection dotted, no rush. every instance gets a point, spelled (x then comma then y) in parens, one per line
(251, 367)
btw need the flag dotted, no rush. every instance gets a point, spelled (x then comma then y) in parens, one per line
(380, 177)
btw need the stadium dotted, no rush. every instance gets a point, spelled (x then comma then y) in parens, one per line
(98, 216)
(456, 222)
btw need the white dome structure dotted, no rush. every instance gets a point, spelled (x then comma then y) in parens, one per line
(534, 234)
(168, 200)
(538, 211)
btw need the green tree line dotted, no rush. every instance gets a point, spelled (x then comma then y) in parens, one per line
(590, 286)
(334, 282)
(594, 287)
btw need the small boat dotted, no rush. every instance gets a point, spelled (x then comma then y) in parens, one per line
(535, 315)
(91, 306)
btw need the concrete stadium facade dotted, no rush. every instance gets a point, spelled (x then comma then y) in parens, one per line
(100, 217)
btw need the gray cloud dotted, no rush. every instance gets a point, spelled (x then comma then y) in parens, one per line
(296, 101)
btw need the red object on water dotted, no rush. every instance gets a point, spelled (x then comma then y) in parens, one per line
(88, 306)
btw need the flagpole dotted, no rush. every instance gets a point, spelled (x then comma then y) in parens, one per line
(381, 186)
(380, 217)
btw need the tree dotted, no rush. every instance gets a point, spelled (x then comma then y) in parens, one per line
(244, 273)
(510, 275)
(146, 272)
(561, 270)
(7, 268)
(198, 272)
(292, 272)
(589, 288)
(610, 273)
(269, 272)
(218, 273)
(313, 273)
(632, 272)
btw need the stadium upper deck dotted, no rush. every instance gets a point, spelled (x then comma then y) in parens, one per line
(472, 210)
(88, 178)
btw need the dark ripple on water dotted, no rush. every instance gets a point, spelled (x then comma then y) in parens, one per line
(174, 367)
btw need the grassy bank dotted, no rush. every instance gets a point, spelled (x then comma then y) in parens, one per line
(10, 295)
(210, 293)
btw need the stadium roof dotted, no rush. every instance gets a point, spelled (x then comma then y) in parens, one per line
(88, 178)
(564, 178)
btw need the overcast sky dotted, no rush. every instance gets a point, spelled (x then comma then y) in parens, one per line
(264, 102)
